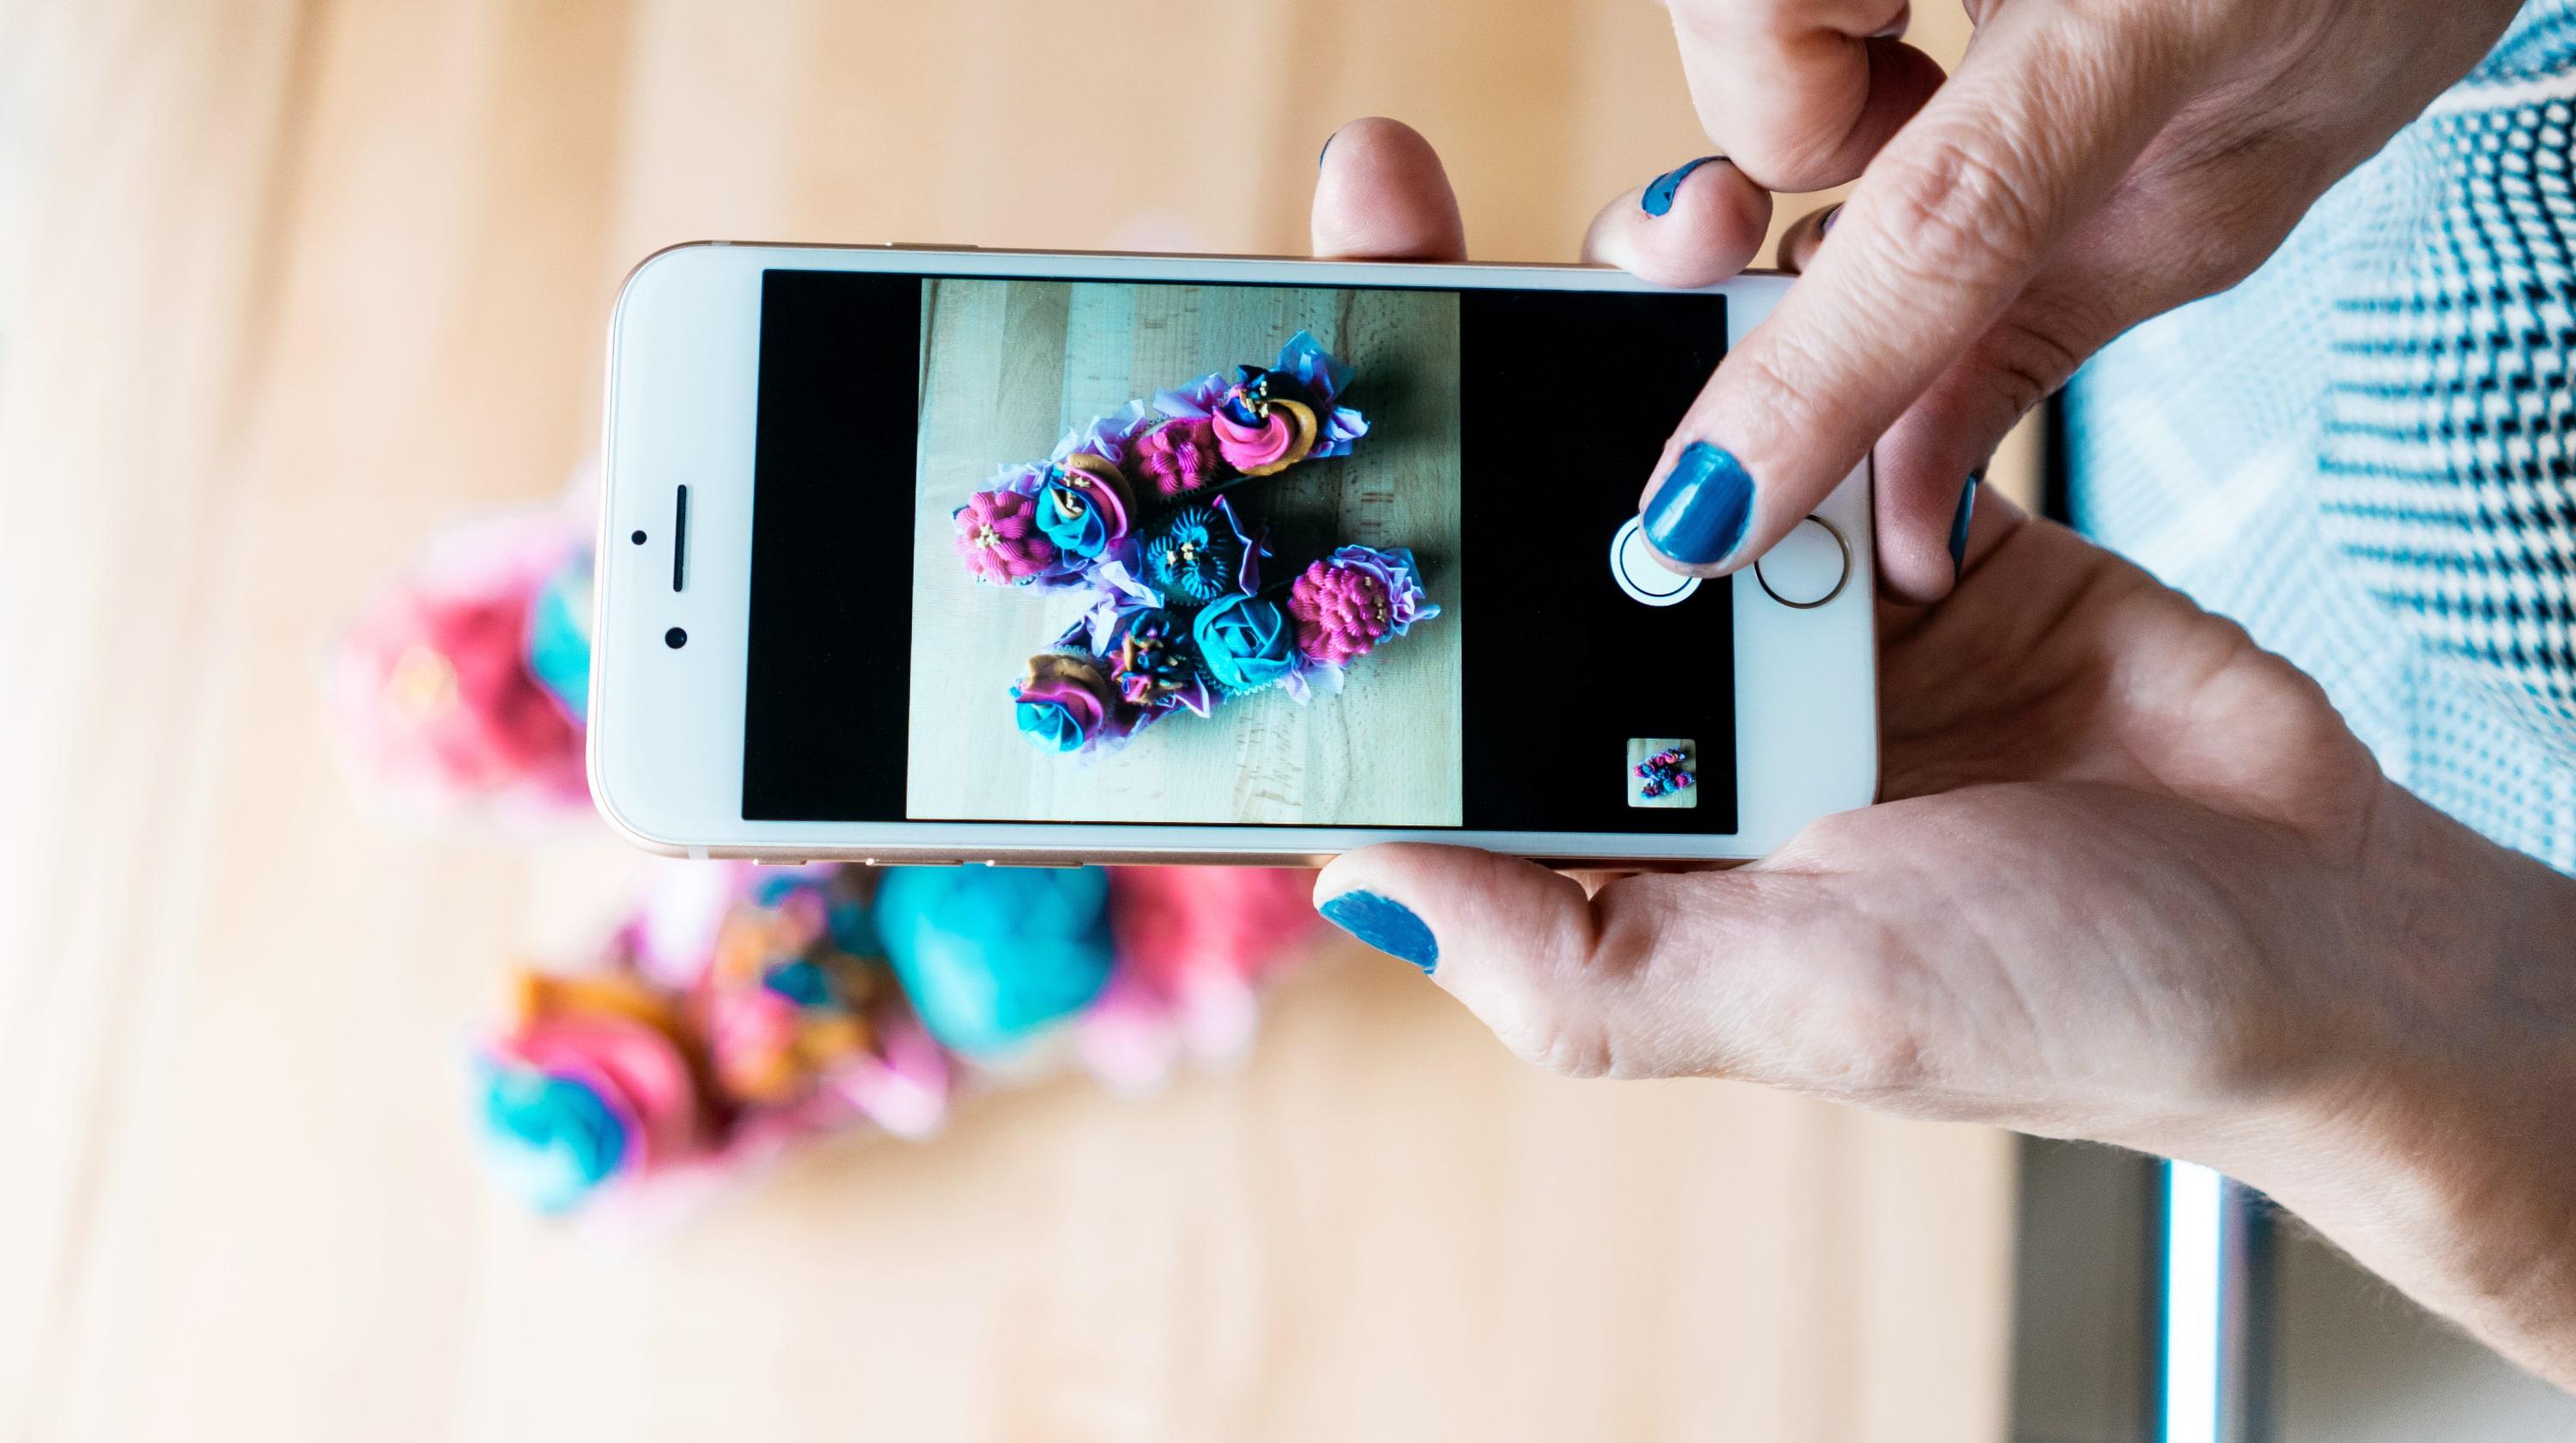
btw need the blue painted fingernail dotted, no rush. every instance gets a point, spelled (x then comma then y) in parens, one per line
(1327, 150)
(1699, 514)
(1658, 198)
(1959, 524)
(1389, 926)
(1825, 227)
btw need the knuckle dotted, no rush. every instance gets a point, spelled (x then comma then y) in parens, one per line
(1957, 212)
(1879, 1057)
(1796, 384)
(1550, 1030)
(1863, 1037)
(1578, 1046)
(1787, 158)
(1570, 1017)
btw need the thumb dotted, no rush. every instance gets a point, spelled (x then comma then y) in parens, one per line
(1944, 231)
(1650, 976)
(1382, 194)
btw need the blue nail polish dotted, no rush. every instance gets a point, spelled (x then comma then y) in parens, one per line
(1658, 198)
(1825, 227)
(1389, 926)
(1327, 150)
(1959, 524)
(1699, 514)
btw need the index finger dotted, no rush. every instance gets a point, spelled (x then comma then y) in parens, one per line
(1946, 228)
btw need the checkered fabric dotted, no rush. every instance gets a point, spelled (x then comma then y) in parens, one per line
(2366, 453)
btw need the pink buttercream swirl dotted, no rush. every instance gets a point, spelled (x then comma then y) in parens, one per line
(1248, 448)
(1341, 612)
(998, 536)
(1178, 455)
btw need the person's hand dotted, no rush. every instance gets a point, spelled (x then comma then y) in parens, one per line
(2091, 164)
(2134, 881)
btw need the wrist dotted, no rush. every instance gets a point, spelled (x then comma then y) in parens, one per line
(2438, 1142)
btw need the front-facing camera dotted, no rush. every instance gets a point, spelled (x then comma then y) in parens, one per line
(675, 638)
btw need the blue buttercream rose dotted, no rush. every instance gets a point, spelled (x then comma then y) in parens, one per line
(1051, 725)
(1246, 643)
(1070, 521)
(1082, 506)
(989, 956)
(1063, 703)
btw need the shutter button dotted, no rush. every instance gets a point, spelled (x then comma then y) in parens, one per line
(1634, 567)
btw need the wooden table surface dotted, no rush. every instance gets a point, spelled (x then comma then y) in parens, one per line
(1010, 367)
(286, 283)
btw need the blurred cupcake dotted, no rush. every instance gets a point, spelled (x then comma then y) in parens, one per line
(432, 687)
(782, 1004)
(991, 956)
(574, 1103)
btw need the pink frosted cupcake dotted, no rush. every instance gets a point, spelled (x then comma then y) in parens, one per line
(999, 538)
(1178, 456)
(1259, 433)
(1347, 603)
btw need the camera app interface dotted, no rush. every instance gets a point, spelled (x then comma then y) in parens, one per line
(1113, 552)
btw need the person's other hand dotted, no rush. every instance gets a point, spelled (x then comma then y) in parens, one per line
(2134, 880)
(2091, 164)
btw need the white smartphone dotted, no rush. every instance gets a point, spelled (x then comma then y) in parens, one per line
(933, 555)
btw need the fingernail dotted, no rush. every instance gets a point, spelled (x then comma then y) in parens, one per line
(1959, 524)
(1658, 198)
(1699, 514)
(1825, 227)
(1327, 150)
(1389, 926)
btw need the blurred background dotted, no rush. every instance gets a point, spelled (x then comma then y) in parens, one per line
(284, 287)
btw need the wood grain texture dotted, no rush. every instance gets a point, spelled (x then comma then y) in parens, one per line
(284, 284)
(1009, 367)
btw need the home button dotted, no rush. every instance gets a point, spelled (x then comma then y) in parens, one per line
(1808, 567)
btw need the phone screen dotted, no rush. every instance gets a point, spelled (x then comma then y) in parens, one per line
(1087, 551)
